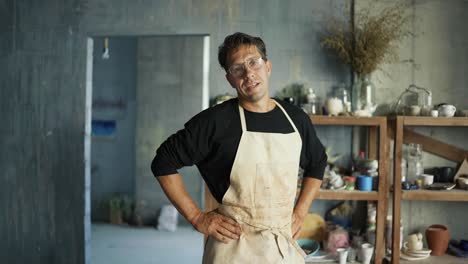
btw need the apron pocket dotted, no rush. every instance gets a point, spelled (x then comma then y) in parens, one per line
(275, 184)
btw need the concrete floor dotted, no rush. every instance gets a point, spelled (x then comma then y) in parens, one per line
(125, 244)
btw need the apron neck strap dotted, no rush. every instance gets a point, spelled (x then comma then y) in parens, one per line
(242, 118)
(287, 116)
(243, 123)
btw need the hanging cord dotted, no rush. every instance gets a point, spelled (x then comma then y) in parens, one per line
(105, 51)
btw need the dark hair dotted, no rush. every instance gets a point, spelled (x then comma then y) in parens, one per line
(236, 40)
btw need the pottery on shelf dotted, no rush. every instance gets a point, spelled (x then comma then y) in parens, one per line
(438, 238)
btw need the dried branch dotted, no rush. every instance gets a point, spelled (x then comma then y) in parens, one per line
(375, 38)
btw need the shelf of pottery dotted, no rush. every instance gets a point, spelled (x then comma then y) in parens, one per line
(370, 186)
(442, 184)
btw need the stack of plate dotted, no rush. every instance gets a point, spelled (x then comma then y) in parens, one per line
(415, 254)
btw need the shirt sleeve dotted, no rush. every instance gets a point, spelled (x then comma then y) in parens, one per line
(313, 155)
(186, 147)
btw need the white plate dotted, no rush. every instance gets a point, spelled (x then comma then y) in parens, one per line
(416, 254)
(421, 251)
(407, 257)
(320, 256)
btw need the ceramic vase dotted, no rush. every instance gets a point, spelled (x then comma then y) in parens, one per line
(437, 239)
(367, 250)
(342, 255)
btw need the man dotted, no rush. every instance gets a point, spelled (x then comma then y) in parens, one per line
(249, 151)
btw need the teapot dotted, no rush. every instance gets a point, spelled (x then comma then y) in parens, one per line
(446, 110)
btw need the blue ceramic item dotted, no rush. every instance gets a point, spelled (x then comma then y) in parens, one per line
(310, 245)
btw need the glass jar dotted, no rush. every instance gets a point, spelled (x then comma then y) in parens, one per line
(312, 102)
(415, 165)
(343, 95)
(350, 183)
(363, 94)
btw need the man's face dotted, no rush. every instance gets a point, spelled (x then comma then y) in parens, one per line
(248, 73)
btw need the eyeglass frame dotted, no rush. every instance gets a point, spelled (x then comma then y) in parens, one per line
(261, 60)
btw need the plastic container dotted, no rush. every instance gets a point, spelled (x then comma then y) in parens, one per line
(350, 183)
(364, 183)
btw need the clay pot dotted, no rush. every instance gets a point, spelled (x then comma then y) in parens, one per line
(437, 237)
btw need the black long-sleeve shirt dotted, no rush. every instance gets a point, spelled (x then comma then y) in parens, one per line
(210, 140)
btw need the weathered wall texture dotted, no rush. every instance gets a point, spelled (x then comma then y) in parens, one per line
(42, 77)
(169, 93)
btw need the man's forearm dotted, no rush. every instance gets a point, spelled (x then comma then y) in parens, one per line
(175, 190)
(309, 189)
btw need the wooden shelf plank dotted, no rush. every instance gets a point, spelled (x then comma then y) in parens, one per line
(438, 260)
(434, 121)
(431, 195)
(346, 195)
(347, 120)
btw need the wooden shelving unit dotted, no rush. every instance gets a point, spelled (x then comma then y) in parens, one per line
(399, 133)
(377, 128)
(347, 195)
(426, 195)
(446, 259)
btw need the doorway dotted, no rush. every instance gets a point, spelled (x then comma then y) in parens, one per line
(139, 90)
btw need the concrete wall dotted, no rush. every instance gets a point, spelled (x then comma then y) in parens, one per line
(42, 106)
(169, 93)
(114, 89)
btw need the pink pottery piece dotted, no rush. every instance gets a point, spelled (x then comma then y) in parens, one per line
(437, 237)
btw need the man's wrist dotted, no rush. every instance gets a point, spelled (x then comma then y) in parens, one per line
(194, 218)
(300, 212)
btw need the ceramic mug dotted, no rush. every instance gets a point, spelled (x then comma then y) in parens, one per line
(434, 113)
(427, 179)
(413, 242)
(413, 246)
(415, 110)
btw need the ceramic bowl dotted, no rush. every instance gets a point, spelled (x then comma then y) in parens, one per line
(462, 183)
(309, 245)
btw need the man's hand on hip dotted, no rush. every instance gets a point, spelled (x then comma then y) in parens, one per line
(222, 228)
(296, 226)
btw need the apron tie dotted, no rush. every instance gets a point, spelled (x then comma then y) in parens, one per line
(281, 238)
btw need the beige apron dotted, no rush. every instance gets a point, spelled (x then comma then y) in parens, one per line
(263, 184)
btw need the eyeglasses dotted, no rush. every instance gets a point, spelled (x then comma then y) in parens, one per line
(238, 70)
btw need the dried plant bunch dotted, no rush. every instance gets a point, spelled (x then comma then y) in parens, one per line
(372, 41)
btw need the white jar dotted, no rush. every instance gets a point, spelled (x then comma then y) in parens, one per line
(334, 106)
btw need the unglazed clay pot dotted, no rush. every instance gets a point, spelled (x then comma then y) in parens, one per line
(437, 237)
